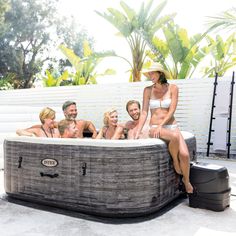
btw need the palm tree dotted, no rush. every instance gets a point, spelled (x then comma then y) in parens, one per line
(132, 24)
(178, 53)
(225, 20)
(223, 53)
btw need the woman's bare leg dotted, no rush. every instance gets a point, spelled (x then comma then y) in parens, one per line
(173, 138)
(173, 147)
(184, 163)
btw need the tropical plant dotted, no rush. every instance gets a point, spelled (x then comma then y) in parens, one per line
(225, 20)
(178, 53)
(85, 67)
(132, 24)
(71, 34)
(223, 55)
(52, 80)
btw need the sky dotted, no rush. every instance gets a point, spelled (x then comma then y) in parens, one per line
(191, 14)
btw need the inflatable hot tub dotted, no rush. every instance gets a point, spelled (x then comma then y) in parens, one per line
(117, 178)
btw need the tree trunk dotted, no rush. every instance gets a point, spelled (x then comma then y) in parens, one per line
(136, 75)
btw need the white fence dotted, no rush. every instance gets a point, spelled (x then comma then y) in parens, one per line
(20, 108)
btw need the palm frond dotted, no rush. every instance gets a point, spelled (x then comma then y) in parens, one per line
(224, 20)
(128, 10)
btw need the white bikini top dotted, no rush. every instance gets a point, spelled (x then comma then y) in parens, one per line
(156, 103)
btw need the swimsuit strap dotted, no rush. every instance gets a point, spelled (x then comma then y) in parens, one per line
(45, 131)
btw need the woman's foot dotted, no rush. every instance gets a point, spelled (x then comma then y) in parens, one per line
(188, 187)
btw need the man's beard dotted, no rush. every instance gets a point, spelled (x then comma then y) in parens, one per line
(136, 117)
(71, 117)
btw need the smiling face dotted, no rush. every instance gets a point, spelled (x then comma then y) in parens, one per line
(71, 112)
(47, 117)
(134, 111)
(71, 131)
(50, 121)
(154, 76)
(67, 129)
(113, 119)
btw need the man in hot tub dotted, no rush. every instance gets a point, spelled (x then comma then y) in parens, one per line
(133, 108)
(70, 111)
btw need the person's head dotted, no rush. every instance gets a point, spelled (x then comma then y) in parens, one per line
(133, 109)
(67, 129)
(47, 116)
(70, 110)
(110, 117)
(156, 73)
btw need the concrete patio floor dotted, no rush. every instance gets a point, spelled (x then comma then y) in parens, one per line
(178, 219)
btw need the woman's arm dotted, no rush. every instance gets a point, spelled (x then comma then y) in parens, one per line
(119, 132)
(31, 132)
(144, 113)
(100, 133)
(174, 101)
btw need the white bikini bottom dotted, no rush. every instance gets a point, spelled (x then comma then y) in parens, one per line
(174, 126)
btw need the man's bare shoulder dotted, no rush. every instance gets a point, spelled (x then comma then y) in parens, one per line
(129, 124)
(80, 121)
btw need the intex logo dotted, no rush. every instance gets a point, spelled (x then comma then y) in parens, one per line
(48, 162)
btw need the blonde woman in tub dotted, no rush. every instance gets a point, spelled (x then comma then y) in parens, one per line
(111, 128)
(46, 129)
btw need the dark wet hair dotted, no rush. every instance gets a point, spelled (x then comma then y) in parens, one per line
(162, 78)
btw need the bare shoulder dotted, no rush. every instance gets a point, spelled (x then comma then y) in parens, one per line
(173, 87)
(128, 124)
(80, 122)
(147, 90)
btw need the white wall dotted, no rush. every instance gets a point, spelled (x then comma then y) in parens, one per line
(20, 108)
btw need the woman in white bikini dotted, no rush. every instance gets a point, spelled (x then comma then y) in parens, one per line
(46, 129)
(111, 128)
(162, 99)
